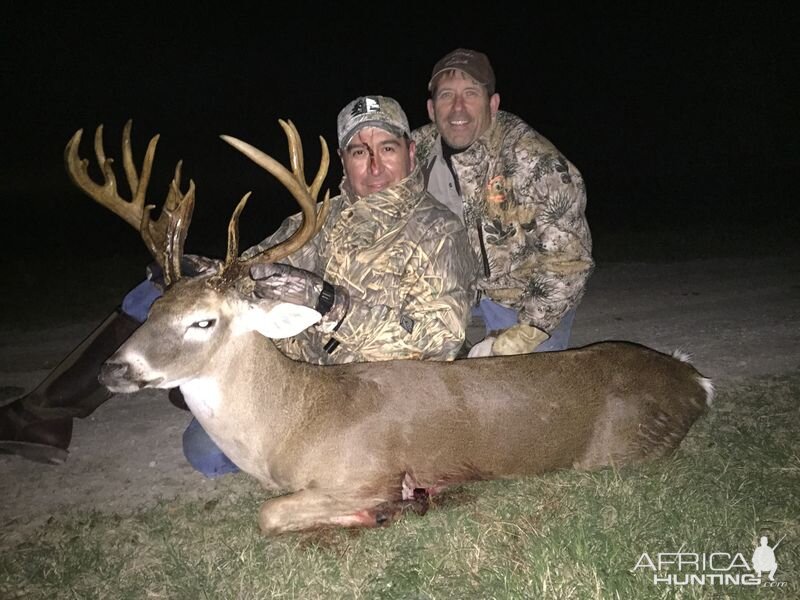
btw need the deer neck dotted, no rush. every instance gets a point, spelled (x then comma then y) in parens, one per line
(249, 384)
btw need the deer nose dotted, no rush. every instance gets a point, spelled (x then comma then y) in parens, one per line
(112, 372)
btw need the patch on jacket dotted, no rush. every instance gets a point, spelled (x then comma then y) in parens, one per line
(496, 189)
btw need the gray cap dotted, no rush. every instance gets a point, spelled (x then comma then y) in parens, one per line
(371, 111)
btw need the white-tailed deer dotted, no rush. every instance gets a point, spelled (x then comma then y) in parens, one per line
(352, 443)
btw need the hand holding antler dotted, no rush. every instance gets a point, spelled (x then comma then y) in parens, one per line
(285, 283)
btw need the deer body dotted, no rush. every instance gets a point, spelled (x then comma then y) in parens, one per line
(343, 438)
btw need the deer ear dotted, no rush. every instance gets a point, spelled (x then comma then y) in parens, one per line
(283, 320)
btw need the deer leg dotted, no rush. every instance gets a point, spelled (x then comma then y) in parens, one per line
(312, 509)
(413, 498)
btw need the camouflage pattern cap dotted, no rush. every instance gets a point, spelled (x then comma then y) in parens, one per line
(371, 111)
(473, 63)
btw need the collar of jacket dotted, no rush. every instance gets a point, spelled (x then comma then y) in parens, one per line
(362, 220)
(390, 204)
(429, 144)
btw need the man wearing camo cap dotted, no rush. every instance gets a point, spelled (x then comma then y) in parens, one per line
(522, 203)
(391, 267)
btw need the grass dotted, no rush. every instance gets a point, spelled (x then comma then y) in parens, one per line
(562, 535)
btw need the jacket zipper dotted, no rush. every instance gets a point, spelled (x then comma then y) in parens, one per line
(486, 270)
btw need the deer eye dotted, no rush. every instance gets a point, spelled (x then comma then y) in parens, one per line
(204, 324)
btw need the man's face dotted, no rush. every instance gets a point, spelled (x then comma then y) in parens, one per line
(461, 108)
(375, 159)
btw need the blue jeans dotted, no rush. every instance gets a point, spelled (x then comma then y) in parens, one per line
(203, 454)
(494, 317)
(198, 448)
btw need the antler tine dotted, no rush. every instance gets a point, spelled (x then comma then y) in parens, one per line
(295, 149)
(294, 181)
(322, 213)
(106, 194)
(179, 208)
(127, 163)
(163, 237)
(296, 157)
(324, 162)
(233, 231)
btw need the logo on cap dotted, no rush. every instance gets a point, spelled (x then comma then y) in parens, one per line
(365, 105)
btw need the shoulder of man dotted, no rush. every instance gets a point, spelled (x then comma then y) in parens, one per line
(425, 137)
(514, 136)
(511, 130)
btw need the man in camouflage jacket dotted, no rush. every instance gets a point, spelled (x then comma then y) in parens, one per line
(522, 203)
(401, 259)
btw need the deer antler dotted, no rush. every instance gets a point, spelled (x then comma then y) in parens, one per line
(295, 182)
(165, 236)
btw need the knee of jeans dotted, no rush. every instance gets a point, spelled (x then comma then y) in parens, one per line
(553, 344)
(559, 338)
(203, 454)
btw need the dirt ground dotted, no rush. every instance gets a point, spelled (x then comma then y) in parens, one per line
(737, 319)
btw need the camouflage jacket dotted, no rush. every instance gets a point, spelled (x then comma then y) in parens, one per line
(406, 262)
(523, 207)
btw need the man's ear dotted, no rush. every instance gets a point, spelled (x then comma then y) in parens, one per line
(412, 155)
(494, 103)
(431, 113)
(282, 320)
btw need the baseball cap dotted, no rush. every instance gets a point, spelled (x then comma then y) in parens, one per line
(371, 111)
(473, 63)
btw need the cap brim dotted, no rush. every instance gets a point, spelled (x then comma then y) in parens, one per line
(380, 124)
(440, 71)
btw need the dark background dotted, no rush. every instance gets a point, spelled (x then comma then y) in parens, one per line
(683, 120)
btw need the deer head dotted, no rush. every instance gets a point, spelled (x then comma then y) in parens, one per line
(197, 316)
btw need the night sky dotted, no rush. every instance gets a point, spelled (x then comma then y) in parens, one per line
(679, 120)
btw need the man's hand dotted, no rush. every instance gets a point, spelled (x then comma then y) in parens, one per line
(275, 281)
(285, 283)
(519, 339)
(194, 265)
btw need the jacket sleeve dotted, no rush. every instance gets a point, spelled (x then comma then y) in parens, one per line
(555, 261)
(430, 321)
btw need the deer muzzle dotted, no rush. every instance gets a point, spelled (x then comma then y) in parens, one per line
(119, 377)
